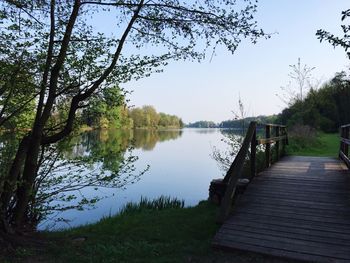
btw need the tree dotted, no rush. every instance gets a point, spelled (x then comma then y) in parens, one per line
(107, 110)
(70, 62)
(324, 109)
(343, 42)
(299, 85)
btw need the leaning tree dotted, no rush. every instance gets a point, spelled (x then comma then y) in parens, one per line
(53, 56)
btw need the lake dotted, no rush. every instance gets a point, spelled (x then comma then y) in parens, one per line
(180, 165)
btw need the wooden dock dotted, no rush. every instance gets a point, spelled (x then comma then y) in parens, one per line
(298, 208)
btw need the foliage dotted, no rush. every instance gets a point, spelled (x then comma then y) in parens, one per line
(202, 124)
(148, 117)
(107, 110)
(343, 42)
(51, 48)
(239, 123)
(94, 160)
(224, 158)
(300, 83)
(323, 109)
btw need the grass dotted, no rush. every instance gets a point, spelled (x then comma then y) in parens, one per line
(143, 233)
(151, 231)
(322, 145)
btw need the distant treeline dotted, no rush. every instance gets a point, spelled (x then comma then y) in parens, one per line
(323, 109)
(105, 111)
(233, 124)
(147, 116)
(202, 124)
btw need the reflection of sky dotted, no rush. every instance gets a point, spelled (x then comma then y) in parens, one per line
(180, 168)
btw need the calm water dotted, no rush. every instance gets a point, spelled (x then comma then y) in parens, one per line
(179, 162)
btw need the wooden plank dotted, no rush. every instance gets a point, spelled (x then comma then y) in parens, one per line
(339, 245)
(346, 141)
(289, 202)
(320, 179)
(300, 189)
(293, 224)
(304, 197)
(261, 247)
(299, 208)
(294, 181)
(345, 158)
(305, 232)
(288, 244)
(275, 125)
(296, 238)
(233, 244)
(295, 208)
(298, 216)
(275, 139)
(304, 188)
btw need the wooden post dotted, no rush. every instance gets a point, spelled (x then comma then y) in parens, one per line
(268, 146)
(277, 129)
(234, 174)
(253, 156)
(285, 141)
(341, 147)
(346, 146)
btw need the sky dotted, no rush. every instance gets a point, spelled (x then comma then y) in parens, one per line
(210, 90)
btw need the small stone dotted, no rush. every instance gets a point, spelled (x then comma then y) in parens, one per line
(79, 240)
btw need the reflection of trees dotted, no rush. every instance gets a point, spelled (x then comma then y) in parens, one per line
(239, 132)
(96, 159)
(147, 139)
(204, 130)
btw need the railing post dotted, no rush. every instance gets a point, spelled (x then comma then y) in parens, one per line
(253, 156)
(277, 129)
(341, 147)
(346, 146)
(285, 141)
(234, 174)
(268, 146)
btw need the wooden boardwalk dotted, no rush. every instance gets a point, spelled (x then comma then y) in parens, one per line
(299, 208)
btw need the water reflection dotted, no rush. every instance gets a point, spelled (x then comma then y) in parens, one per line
(115, 142)
(109, 163)
(147, 139)
(180, 166)
(99, 159)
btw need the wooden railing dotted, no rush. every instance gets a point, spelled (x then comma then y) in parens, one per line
(235, 172)
(344, 144)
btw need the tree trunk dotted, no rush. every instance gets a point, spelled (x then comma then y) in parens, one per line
(24, 190)
(10, 184)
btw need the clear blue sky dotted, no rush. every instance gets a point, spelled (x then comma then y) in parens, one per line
(210, 90)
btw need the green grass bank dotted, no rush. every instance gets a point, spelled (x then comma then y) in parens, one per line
(322, 145)
(140, 233)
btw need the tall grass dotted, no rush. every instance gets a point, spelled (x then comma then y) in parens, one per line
(160, 203)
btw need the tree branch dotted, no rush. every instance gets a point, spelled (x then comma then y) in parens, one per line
(80, 97)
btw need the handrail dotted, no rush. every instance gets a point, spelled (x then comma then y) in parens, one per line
(344, 144)
(235, 171)
(274, 125)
